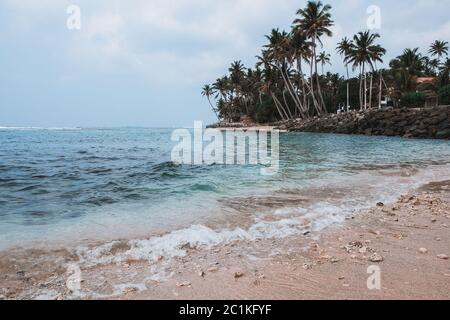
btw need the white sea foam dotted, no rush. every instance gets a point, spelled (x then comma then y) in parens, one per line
(176, 243)
(292, 222)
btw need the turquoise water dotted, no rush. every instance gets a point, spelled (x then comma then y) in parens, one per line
(83, 184)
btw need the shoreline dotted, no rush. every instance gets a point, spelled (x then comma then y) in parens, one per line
(424, 123)
(406, 240)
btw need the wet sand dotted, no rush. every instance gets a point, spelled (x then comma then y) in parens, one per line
(408, 241)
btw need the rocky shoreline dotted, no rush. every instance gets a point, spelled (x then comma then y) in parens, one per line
(425, 123)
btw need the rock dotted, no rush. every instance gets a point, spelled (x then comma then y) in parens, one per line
(376, 258)
(443, 134)
(238, 274)
(422, 123)
(334, 260)
(59, 297)
(129, 290)
(183, 284)
(423, 250)
(443, 256)
(213, 269)
(380, 204)
(306, 266)
(201, 274)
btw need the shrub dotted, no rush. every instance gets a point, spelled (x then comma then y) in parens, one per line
(444, 95)
(413, 100)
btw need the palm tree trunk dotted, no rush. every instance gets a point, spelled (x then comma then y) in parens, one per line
(300, 69)
(212, 107)
(287, 105)
(380, 93)
(348, 88)
(360, 88)
(316, 104)
(319, 90)
(288, 84)
(277, 106)
(365, 86)
(370, 90)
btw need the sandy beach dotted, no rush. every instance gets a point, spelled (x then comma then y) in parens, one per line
(407, 241)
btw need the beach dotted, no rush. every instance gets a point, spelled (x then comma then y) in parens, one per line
(407, 240)
(105, 214)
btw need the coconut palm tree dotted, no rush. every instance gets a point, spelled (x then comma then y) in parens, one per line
(315, 21)
(406, 67)
(445, 72)
(439, 49)
(301, 52)
(208, 92)
(324, 58)
(430, 66)
(343, 48)
(282, 56)
(365, 53)
(270, 84)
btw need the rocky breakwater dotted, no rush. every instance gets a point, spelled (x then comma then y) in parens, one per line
(432, 123)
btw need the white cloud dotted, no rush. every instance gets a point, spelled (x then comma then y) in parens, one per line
(221, 30)
(194, 40)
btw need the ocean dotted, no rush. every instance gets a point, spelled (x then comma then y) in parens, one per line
(78, 186)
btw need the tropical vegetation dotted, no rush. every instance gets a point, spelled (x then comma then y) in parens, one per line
(290, 81)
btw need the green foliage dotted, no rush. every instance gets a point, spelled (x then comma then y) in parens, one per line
(444, 95)
(287, 83)
(413, 100)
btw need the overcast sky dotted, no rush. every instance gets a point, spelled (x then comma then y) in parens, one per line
(143, 62)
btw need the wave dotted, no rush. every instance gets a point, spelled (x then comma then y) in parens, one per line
(177, 243)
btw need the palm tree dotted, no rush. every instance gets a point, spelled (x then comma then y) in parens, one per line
(324, 58)
(439, 49)
(365, 53)
(270, 84)
(281, 55)
(344, 49)
(315, 21)
(430, 66)
(301, 51)
(207, 92)
(445, 72)
(406, 67)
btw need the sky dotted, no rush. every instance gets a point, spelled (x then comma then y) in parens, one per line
(143, 62)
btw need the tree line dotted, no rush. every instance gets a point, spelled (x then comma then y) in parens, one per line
(289, 79)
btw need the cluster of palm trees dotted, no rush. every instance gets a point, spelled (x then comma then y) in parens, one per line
(412, 64)
(286, 82)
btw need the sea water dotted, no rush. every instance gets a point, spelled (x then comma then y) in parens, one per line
(64, 186)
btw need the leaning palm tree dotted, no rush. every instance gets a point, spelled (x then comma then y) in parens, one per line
(281, 55)
(208, 92)
(343, 48)
(315, 21)
(324, 58)
(365, 53)
(439, 49)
